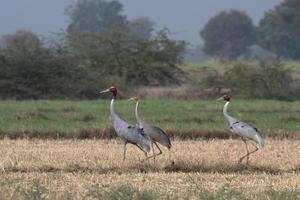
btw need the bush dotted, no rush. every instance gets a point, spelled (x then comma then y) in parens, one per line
(29, 70)
(262, 81)
(130, 61)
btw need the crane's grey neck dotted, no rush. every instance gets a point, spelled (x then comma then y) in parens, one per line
(114, 116)
(230, 119)
(112, 107)
(137, 116)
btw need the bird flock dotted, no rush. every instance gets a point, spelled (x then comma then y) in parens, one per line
(144, 135)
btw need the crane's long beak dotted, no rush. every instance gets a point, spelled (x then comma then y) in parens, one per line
(104, 91)
(219, 99)
(131, 99)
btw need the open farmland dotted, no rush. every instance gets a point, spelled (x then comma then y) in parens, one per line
(72, 168)
(200, 164)
(182, 119)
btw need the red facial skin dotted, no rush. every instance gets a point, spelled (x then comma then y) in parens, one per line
(113, 91)
(135, 98)
(226, 97)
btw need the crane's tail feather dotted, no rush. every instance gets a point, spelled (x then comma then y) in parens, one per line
(260, 141)
(169, 145)
(145, 142)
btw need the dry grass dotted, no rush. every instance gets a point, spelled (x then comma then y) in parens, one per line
(75, 166)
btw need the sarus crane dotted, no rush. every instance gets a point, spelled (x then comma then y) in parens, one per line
(155, 134)
(127, 132)
(246, 131)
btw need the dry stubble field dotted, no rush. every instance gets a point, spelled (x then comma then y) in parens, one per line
(74, 166)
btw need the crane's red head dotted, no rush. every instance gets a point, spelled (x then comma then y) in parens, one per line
(134, 98)
(226, 97)
(113, 91)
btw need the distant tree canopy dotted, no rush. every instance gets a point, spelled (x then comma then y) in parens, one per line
(260, 81)
(130, 60)
(94, 15)
(128, 52)
(100, 47)
(227, 34)
(30, 71)
(141, 28)
(279, 30)
(91, 16)
(22, 44)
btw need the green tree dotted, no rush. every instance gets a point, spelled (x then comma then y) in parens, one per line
(120, 51)
(22, 44)
(262, 81)
(266, 80)
(93, 15)
(141, 27)
(279, 30)
(227, 34)
(28, 70)
(129, 60)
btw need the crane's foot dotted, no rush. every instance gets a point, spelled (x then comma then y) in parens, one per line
(247, 160)
(240, 160)
(153, 156)
(145, 159)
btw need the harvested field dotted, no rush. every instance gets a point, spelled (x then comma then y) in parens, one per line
(73, 167)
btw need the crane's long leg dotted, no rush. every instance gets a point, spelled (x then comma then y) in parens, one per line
(142, 151)
(256, 148)
(153, 150)
(124, 154)
(247, 154)
(160, 151)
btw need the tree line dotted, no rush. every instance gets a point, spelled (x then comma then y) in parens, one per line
(100, 46)
(228, 34)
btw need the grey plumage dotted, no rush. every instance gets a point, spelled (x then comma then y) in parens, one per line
(155, 134)
(126, 131)
(246, 131)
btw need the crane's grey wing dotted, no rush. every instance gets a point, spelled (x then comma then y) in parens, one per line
(160, 131)
(158, 135)
(143, 139)
(121, 127)
(131, 134)
(248, 131)
(243, 129)
(254, 127)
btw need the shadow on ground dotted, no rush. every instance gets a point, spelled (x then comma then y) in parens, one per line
(148, 168)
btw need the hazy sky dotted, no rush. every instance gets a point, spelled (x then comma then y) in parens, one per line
(184, 18)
